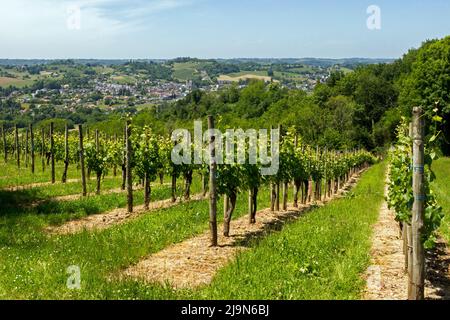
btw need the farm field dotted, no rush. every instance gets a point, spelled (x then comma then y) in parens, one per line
(123, 79)
(184, 71)
(289, 76)
(20, 79)
(100, 254)
(18, 82)
(241, 76)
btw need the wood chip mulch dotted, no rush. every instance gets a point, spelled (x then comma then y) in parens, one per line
(437, 282)
(386, 278)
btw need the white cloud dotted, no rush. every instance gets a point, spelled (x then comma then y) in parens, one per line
(40, 26)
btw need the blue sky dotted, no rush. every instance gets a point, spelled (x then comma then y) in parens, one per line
(216, 28)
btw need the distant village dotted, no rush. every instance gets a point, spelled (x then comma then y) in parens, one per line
(104, 91)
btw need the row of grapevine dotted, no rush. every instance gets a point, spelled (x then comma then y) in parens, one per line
(412, 199)
(143, 157)
(24, 145)
(301, 166)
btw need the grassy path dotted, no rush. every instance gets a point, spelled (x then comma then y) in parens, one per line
(117, 216)
(13, 176)
(18, 219)
(442, 189)
(33, 265)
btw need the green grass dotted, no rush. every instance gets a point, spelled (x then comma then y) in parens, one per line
(39, 193)
(18, 79)
(442, 188)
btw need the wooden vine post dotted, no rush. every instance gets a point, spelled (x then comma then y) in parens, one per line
(66, 154)
(16, 146)
(129, 176)
(83, 170)
(5, 148)
(278, 186)
(273, 191)
(52, 151)
(285, 189)
(325, 179)
(273, 195)
(250, 206)
(317, 184)
(115, 166)
(331, 186)
(212, 184)
(295, 191)
(33, 164)
(27, 150)
(407, 232)
(338, 178)
(310, 181)
(147, 185)
(304, 184)
(409, 253)
(417, 280)
(43, 149)
(285, 186)
(226, 205)
(124, 159)
(98, 174)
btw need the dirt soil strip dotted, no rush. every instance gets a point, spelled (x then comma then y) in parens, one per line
(193, 263)
(36, 185)
(387, 278)
(117, 216)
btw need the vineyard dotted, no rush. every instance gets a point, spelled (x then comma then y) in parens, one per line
(140, 158)
(69, 184)
(121, 211)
